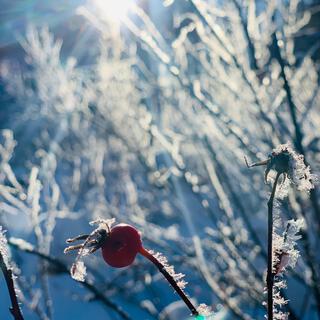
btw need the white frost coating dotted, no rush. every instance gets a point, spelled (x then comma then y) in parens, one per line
(285, 255)
(34, 184)
(102, 223)
(22, 244)
(78, 271)
(289, 164)
(204, 310)
(178, 277)
(4, 248)
(283, 189)
(290, 240)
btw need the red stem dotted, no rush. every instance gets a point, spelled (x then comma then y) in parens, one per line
(170, 279)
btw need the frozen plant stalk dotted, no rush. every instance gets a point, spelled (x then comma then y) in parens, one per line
(281, 249)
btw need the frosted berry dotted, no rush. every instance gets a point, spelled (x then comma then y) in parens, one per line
(121, 246)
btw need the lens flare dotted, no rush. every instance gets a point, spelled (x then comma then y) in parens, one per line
(114, 9)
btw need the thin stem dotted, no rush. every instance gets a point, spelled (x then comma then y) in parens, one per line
(170, 279)
(270, 274)
(313, 193)
(7, 273)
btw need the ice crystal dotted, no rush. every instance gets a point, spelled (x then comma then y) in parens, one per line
(78, 271)
(22, 244)
(285, 255)
(278, 299)
(4, 248)
(178, 277)
(204, 310)
(103, 223)
(283, 190)
(279, 315)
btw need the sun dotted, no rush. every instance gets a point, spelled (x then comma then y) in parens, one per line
(114, 9)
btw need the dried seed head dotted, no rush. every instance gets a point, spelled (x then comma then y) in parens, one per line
(280, 162)
(284, 160)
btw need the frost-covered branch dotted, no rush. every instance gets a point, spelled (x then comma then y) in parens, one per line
(281, 252)
(63, 268)
(270, 275)
(9, 277)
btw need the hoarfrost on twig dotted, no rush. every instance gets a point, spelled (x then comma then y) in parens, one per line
(4, 248)
(178, 277)
(78, 271)
(204, 310)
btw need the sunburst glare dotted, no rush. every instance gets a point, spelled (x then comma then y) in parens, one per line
(115, 10)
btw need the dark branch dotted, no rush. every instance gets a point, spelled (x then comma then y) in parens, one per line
(270, 274)
(7, 273)
(62, 267)
(170, 279)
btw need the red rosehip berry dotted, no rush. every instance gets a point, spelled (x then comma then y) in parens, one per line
(121, 246)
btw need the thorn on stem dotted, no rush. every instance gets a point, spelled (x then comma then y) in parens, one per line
(256, 164)
(246, 161)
